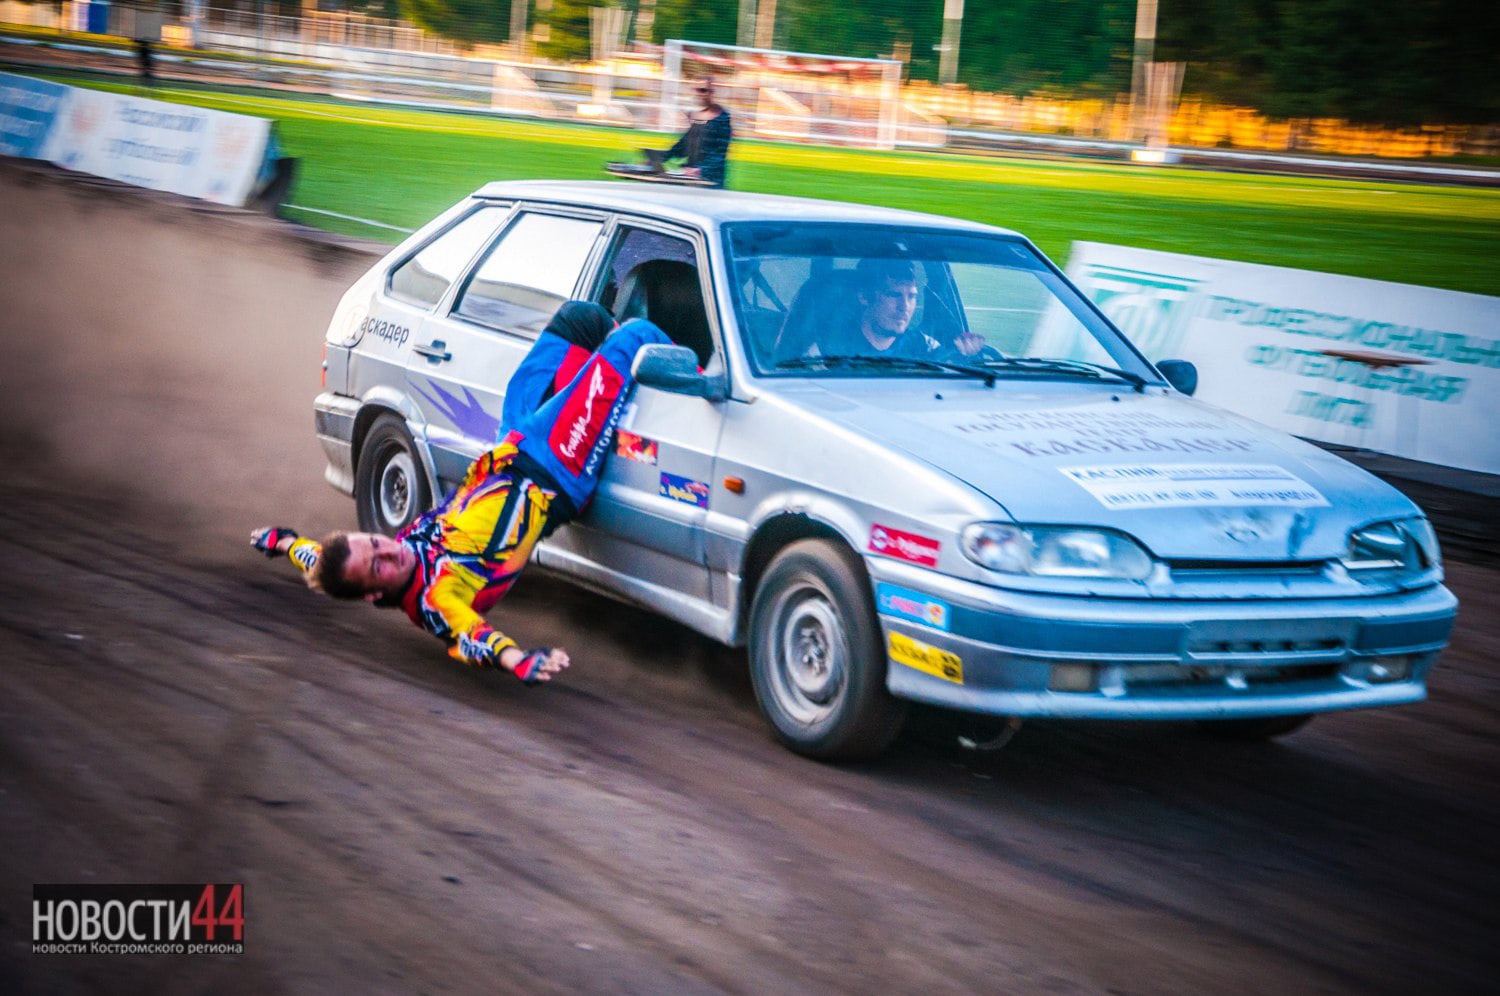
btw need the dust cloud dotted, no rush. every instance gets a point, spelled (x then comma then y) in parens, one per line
(166, 351)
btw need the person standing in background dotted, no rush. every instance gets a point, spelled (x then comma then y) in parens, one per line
(705, 144)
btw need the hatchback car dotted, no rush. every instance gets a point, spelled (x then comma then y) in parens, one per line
(901, 458)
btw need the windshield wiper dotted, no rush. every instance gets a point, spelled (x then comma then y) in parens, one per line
(856, 361)
(1081, 367)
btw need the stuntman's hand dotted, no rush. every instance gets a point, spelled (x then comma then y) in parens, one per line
(536, 665)
(273, 540)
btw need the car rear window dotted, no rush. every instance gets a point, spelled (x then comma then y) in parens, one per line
(424, 277)
(529, 271)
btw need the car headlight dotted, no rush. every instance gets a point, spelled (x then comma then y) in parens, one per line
(1402, 545)
(1055, 551)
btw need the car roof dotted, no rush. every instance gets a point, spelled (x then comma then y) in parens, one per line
(710, 208)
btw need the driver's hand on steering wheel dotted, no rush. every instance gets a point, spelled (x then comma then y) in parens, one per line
(968, 343)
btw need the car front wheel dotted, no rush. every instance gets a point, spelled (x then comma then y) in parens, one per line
(816, 658)
(390, 489)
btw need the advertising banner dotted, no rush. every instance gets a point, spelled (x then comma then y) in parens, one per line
(28, 109)
(1409, 371)
(213, 155)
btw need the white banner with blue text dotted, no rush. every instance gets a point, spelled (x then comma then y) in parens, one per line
(1395, 368)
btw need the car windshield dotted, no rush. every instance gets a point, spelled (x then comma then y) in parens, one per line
(828, 300)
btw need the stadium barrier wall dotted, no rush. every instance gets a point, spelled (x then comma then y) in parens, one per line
(212, 155)
(1412, 372)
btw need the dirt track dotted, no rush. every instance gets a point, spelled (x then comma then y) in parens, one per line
(176, 709)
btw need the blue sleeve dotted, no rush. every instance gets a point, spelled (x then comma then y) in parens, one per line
(529, 384)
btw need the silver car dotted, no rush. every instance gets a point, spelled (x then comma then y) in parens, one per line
(1012, 514)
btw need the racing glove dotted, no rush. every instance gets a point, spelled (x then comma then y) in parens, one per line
(267, 538)
(529, 668)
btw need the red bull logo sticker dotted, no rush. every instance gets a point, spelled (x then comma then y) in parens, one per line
(684, 489)
(633, 447)
(906, 546)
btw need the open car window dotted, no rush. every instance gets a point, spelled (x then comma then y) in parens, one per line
(654, 275)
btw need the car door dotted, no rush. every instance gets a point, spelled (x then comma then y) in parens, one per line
(463, 359)
(647, 520)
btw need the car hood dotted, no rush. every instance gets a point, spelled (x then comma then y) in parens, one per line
(1188, 480)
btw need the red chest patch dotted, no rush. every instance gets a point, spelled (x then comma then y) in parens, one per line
(583, 414)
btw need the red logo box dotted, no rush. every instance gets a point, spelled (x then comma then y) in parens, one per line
(906, 546)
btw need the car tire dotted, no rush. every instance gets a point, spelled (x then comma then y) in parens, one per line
(390, 489)
(816, 658)
(1254, 730)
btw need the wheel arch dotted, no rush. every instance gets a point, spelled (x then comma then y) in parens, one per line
(372, 410)
(773, 535)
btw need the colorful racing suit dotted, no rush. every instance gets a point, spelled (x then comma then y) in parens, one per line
(572, 336)
(566, 440)
(471, 548)
(469, 551)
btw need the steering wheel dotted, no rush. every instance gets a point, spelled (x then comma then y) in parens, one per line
(951, 354)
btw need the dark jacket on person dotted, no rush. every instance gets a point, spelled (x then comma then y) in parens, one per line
(847, 339)
(706, 145)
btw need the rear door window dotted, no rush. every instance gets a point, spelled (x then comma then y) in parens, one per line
(425, 277)
(528, 272)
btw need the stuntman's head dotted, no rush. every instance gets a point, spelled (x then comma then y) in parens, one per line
(362, 565)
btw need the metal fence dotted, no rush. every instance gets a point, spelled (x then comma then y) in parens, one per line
(375, 60)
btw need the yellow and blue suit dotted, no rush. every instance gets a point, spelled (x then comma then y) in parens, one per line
(469, 550)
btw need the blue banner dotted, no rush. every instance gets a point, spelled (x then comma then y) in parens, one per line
(28, 109)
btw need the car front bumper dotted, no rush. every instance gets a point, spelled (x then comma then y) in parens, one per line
(968, 646)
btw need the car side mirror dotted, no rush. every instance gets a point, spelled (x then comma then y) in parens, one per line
(675, 369)
(1181, 374)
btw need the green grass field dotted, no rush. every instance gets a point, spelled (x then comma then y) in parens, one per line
(402, 167)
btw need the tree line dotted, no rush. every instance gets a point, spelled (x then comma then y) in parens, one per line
(1394, 62)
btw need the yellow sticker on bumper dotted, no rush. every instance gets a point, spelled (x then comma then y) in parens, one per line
(926, 658)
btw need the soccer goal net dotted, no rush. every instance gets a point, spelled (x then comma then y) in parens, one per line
(827, 99)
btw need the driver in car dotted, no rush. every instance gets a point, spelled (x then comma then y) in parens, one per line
(458, 559)
(887, 291)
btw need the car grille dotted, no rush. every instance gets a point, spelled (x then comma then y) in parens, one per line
(1240, 570)
(1265, 647)
(1189, 675)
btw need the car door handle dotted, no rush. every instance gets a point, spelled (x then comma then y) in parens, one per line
(434, 351)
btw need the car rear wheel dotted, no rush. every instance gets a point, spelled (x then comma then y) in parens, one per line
(816, 659)
(1257, 729)
(390, 489)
